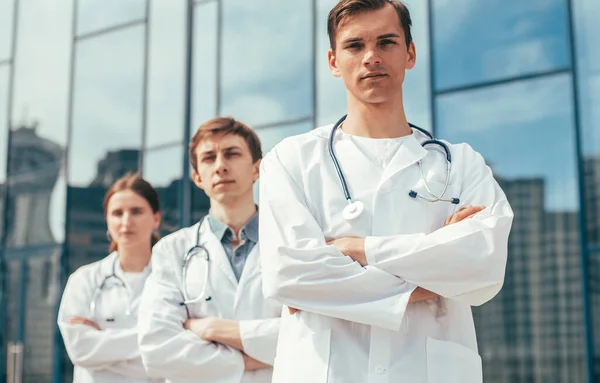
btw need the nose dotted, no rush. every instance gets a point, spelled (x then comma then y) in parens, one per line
(220, 165)
(125, 218)
(372, 57)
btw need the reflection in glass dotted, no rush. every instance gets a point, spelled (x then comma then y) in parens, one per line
(531, 331)
(42, 297)
(270, 137)
(166, 72)
(35, 207)
(266, 60)
(204, 68)
(163, 168)
(107, 107)
(94, 15)
(4, 71)
(331, 93)
(492, 40)
(6, 28)
(587, 30)
(41, 72)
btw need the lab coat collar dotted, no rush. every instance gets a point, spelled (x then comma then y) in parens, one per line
(410, 152)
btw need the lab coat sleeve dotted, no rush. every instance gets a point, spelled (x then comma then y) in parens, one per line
(465, 261)
(133, 368)
(259, 338)
(300, 270)
(168, 350)
(86, 346)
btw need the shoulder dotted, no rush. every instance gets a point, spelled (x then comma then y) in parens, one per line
(92, 272)
(292, 152)
(173, 247)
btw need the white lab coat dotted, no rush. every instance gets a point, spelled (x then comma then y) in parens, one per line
(356, 324)
(179, 355)
(112, 354)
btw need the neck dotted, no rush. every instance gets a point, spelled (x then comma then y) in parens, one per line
(134, 258)
(234, 214)
(383, 120)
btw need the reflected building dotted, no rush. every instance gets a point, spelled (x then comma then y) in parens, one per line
(34, 167)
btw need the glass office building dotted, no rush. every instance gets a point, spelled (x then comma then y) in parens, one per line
(90, 90)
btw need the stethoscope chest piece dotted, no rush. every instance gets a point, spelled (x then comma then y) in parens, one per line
(353, 210)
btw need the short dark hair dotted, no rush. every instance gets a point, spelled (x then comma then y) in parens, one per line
(348, 8)
(141, 187)
(225, 125)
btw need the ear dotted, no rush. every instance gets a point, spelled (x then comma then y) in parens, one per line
(331, 58)
(197, 179)
(157, 220)
(411, 57)
(256, 170)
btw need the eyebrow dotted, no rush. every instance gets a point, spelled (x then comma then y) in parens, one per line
(380, 37)
(227, 149)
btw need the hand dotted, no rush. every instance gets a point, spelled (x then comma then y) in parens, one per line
(84, 321)
(353, 247)
(462, 214)
(203, 327)
(420, 294)
(251, 364)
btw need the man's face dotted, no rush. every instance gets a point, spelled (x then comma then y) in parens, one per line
(371, 55)
(225, 170)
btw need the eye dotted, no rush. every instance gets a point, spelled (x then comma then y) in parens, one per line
(208, 158)
(232, 154)
(117, 213)
(387, 42)
(137, 211)
(354, 46)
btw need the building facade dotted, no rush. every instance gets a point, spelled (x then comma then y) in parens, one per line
(90, 90)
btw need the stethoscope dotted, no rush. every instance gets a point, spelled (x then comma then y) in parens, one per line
(200, 251)
(99, 289)
(355, 208)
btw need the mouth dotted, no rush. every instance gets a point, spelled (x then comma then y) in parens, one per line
(373, 76)
(223, 182)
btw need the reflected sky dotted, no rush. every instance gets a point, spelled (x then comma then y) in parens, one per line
(266, 60)
(93, 15)
(41, 78)
(204, 91)
(479, 41)
(523, 130)
(108, 100)
(164, 165)
(6, 16)
(166, 72)
(331, 93)
(586, 14)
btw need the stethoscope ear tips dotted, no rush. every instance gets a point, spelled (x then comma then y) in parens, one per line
(412, 194)
(455, 201)
(208, 298)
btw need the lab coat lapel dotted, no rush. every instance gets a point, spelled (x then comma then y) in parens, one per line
(410, 152)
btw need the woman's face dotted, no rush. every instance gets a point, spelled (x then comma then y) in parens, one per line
(130, 219)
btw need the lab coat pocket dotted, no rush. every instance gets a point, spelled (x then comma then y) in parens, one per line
(449, 362)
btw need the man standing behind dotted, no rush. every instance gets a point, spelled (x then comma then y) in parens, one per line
(203, 316)
(365, 232)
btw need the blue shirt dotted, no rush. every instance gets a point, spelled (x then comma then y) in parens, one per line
(248, 239)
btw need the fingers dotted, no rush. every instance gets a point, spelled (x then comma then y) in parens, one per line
(292, 310)
(462, 214)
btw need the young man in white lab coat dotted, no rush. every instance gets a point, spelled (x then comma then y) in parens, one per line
(225, 331)
(379, 290)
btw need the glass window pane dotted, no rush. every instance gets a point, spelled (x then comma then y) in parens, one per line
(587, 30)
(4, 72)
(269, 137)
(163, 168)
(204, 91)
(491, 40)
(525, 132)
(267, 60)
(41, 72)
(166, 72)
(93, 15)
(6, 27)
(331, 93)
(36, 199)
(107, 107)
